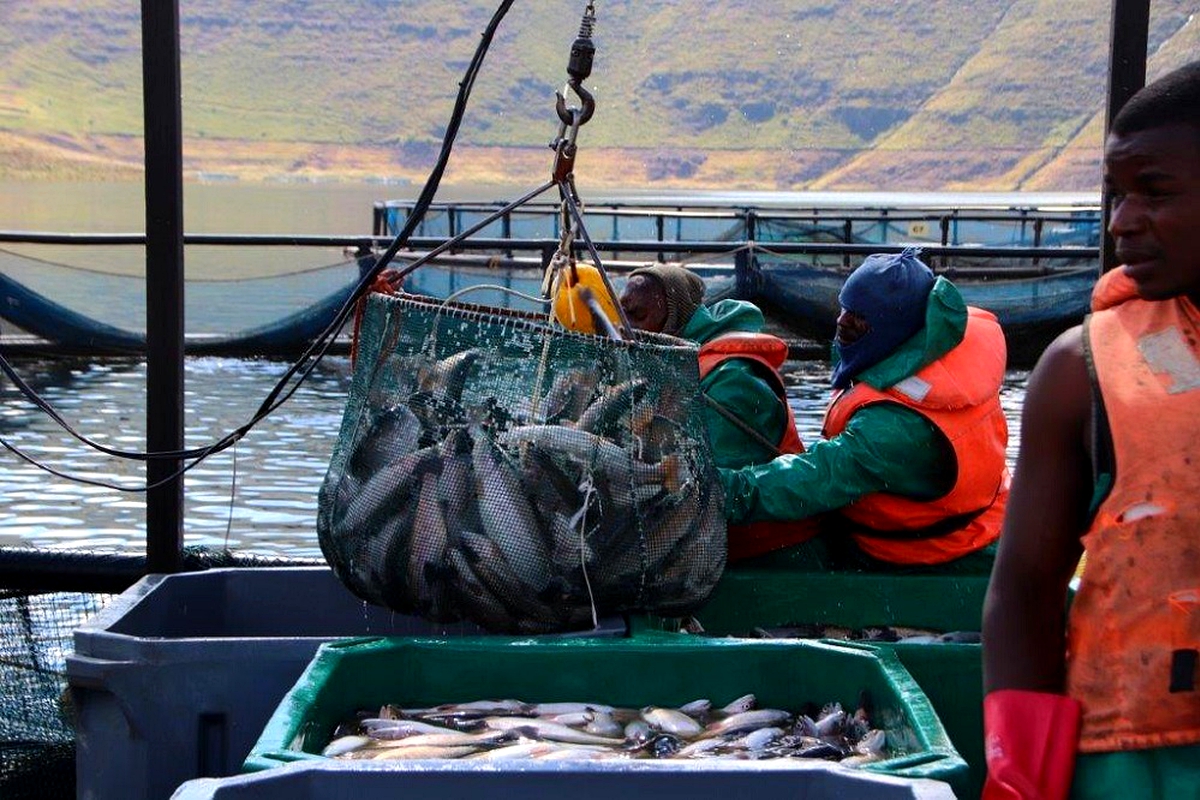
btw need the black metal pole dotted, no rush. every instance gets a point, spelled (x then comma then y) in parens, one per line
(163, 116)
(1126, 74)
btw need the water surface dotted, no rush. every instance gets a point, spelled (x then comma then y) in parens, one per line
(258, 497)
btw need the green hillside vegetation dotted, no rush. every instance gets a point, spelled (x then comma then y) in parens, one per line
(786, 94)
(1078, 163)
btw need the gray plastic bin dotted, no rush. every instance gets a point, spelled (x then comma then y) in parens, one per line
(176, 678)
(532, 780)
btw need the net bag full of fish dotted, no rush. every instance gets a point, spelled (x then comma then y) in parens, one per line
(496, 468)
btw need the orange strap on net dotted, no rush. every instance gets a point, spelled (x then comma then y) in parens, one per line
(382, 285)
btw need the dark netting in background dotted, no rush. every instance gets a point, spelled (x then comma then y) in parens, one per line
(494, 467)
(37, 734)
(37, 740)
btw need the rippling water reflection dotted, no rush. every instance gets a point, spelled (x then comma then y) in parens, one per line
(258, 497)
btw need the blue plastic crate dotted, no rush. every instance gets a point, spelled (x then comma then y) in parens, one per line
(531, 780)
(176, 678)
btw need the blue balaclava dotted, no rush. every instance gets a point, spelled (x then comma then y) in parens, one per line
(890, 291)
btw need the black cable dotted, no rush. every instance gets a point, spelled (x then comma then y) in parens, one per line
(398, 276)
(321, 344)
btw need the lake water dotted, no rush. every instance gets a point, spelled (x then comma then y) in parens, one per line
(260, 496)
(345, 208)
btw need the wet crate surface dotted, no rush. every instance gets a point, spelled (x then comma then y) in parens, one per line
(650, 669)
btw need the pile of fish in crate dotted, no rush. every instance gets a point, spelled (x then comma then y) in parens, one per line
(576, 731)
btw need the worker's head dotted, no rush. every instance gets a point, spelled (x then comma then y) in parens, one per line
(1152, 175)
(882, 306)
(662, 298)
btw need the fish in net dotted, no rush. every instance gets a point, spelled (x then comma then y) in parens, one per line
(494, 467)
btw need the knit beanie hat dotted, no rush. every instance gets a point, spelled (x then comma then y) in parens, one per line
(889, 291)
(683, 289)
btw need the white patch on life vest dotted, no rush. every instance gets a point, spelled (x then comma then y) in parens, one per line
(913, 387)
(1141, 511)
(1168, 354)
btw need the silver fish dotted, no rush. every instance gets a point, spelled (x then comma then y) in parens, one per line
(475, 600)
(569, 395)
(638, 731)
(671, 720)
(427, 546)
(448, 377)
(654, 435)
(456, 488)
(545, 729)
(759, 739)
(386, 490)
(582, 753)
(821, 749)
(493, 569)
(420, 753)
(573, 719)
(542, 709)
(700, 747)
(596, 453)
(804, 726)
(570, 550)
(346, 744)
(552, 488)
(507, 517)
(514, 751)
(747, 720)
(604, 725)
(335, 498)
(612, 403)
(479, 707)
(450, 739)
(832, 722)
(400, 728)
(874, 743)
(394, 432)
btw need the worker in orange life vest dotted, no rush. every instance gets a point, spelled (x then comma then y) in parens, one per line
(748, 417)
(911, 467)
(1104, 701)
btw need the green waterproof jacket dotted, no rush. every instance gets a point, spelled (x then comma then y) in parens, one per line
(738, 386)
(885, 447)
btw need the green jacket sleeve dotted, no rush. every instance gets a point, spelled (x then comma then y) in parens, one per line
(736, 386)
(885, 447)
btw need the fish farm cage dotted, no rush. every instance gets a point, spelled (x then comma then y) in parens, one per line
(44, 597)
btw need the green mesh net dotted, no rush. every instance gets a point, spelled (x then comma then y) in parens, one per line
(494, 467)
(37, 740)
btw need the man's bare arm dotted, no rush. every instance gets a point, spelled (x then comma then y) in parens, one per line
(1023, 617)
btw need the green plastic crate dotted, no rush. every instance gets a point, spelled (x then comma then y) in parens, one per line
(654, 668)
(950, 675)
(747, 597)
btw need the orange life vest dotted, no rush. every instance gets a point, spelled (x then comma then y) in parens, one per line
(756, 538)
(959, 394)
(767, 350)
(1133, 635)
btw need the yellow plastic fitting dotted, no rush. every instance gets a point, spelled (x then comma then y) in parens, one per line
(569, 309)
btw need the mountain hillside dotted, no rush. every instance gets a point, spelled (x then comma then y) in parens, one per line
(771, 94)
